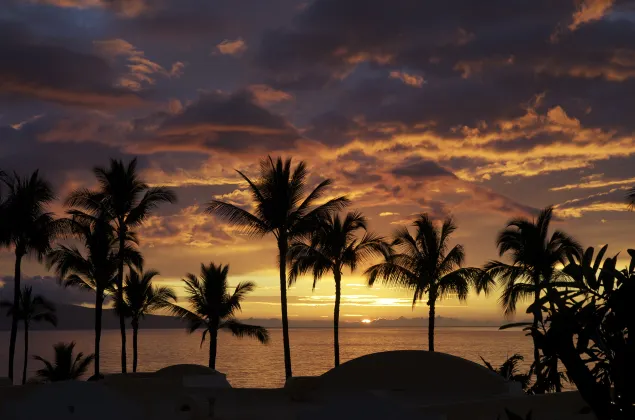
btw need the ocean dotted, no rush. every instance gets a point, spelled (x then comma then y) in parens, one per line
(248, 363)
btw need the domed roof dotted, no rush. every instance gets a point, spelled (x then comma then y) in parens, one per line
(194, 376)
(414, 370)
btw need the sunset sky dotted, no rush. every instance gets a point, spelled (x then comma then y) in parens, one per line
(483, 110)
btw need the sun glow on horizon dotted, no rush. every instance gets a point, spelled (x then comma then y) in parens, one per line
(366, 321)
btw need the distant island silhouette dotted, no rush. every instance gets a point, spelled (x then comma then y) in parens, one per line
(73, 317)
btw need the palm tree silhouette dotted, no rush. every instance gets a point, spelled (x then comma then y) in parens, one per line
(30, 309)
(127, 200)
(96, 270)
(66, 367)
(140, 299)
(280, 208)
(510, 370)
(213, 308)
(330, 248)
(534, 260)
(630, 198)
(29, 228)
(424, 265)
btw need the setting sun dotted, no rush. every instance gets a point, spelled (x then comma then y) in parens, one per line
(366, 321)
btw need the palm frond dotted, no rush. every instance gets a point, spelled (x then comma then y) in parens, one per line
(152, 198)
(239, 329)
(236, 216)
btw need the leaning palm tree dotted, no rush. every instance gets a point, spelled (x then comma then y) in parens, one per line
(66, 367)
(424, 264)
(535, 258)
(281, 208)
(127, 200)
(29, 228)
(140, 299)
(333, 246)
(214, 308)
(30, 309)
(95, 269)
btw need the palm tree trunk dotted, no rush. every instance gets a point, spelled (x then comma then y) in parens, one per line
(336, 316)
(282, 247)
(26, 351)
(555, 360)
(122, 321)
(431, 316)
(135, 336)
(16, 303)
(537, 365)
(99, 302)
(213, 344)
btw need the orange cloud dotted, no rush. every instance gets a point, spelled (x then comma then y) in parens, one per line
(189, 227)
(73, 97)
(408, 79)
(595, 183)
(618, 68)
(577, 212)
(141, 70)
(234, 47)
(589, 11)
(126, 8)
(219, 128)
(265, 94)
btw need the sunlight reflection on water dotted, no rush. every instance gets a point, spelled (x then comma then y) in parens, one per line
(250, 364)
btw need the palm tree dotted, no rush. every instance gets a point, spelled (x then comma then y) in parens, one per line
(630, 198)
(66, 367)
(510, 370)
(29, 228)
(30, 309)
(534, 260)
(141, 298)
(282, 209)
(127, 200)
(96, 269)
(331, 248)
(424, 265)
(213, 308)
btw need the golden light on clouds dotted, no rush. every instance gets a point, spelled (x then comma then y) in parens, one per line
(438, 117)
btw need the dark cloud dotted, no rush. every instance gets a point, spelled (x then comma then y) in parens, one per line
(60, 161)
(420, 169)
(48, 287)
(331, 37)
(222, 122)
(527, 143)
(53, 73)
(479, 63)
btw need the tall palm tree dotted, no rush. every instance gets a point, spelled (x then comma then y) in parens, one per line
(331, 248)
(425, 264)
(535, 257)
(30, 309)
(66, 367)
(96, 269)
(127, 200)
(282, 209)
(140, 299)
(213, 307)
(29, 228)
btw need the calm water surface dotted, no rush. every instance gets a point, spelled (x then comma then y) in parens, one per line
(248, 363)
